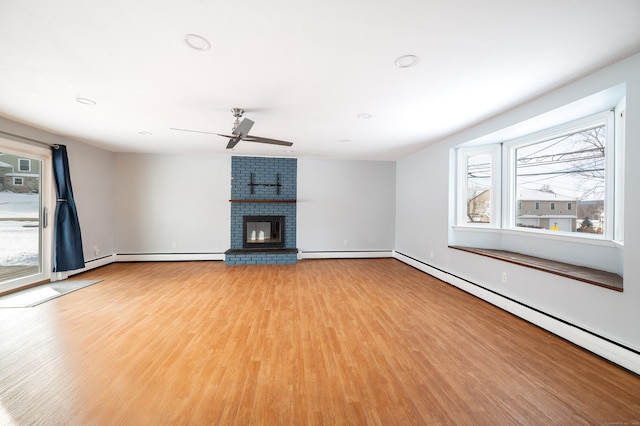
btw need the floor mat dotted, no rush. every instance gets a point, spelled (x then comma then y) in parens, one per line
(36, 295)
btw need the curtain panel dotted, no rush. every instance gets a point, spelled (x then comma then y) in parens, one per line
(67, 242)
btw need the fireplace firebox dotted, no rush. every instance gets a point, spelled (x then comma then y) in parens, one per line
(263, 231)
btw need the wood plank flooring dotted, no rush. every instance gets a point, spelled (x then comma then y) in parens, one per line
(352, 342)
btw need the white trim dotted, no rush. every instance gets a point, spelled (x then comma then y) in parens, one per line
(619, 169)
(571, 237)
(599, 346)
(25, 175)
(424, 267)
(167, 257)
(179, 257)
(345, 254)
(88, 265)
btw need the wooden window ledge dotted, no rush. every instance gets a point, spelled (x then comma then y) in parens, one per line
(581, 273)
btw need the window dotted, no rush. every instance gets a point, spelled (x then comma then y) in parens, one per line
(576, 163)
(24, 165)
(30, 240)
(476, 188)
(565, 164)
(569, 165)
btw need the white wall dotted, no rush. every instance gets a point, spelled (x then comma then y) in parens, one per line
(346, 205)
(422, 223)
(91, 172)
(164, 199)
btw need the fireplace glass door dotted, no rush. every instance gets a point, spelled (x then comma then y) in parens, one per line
(263, 232)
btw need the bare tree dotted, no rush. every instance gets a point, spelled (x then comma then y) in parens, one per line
(591, 164)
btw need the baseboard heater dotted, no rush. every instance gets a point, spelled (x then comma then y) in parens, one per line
(167, 257)
(345, 254)
(617, 353)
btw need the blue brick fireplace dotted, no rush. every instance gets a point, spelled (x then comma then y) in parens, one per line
(262, 187)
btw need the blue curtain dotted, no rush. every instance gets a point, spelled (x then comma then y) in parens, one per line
(67, 240)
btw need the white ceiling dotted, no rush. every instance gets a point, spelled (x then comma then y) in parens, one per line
(302, 70)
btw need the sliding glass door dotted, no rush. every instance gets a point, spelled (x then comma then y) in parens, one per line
(25, 238)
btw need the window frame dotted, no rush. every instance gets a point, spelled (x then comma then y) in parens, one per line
(18, 181)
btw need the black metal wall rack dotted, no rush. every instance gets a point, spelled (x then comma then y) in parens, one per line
(253, 184)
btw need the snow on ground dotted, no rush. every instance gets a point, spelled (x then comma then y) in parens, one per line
(18, 205)
(19, 240)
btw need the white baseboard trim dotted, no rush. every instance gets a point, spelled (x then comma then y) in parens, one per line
(168, 257)
(436, 273)
(88, 265)
(613, 352)
(344, 254)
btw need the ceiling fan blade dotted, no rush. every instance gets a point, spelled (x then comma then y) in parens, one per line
(193, 131)
(267, 140)
(233, 142)
(243, 128)
(240, 133)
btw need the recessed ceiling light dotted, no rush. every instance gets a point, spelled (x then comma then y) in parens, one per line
(86, 101)
(406, 61)
(364, 116)
(197, 42)
(145, 133)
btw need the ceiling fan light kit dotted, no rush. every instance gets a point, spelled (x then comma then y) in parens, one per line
(240, 132)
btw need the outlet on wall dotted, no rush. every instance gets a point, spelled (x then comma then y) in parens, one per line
(431, 254)
(174, 245)
(504, 277)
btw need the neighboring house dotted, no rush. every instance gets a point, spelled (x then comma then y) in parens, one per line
(479, 207)
(546, 210)
(19, 174)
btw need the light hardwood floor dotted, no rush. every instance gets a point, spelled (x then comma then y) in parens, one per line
(321, 342)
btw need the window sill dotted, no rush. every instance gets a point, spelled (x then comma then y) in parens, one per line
(581, 273)
(573, 237)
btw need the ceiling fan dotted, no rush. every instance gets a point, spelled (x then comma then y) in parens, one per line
(240, 132)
